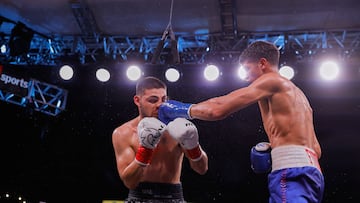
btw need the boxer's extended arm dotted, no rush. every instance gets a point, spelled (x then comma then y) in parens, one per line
(186, 133)
(218, 108)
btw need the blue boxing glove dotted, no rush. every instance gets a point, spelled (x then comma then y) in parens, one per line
(172, 109)
(260, 157)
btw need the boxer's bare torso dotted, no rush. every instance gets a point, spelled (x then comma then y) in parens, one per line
(287, 116)
(167, 158)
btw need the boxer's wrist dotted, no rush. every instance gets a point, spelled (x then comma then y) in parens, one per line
(189, 112)
(143, 156)
(195, 153)
(263, 147)
(141, 163)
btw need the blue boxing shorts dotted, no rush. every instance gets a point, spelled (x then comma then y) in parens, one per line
(149, 192)
(296, 176)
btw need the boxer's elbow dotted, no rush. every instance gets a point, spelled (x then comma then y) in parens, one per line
(202, 171)
(129, 181)
(130, 185)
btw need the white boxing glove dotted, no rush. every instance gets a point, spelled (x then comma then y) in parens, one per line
(149, 131)
(186, 133)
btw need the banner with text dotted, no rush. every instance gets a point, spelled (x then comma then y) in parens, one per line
(12, 81)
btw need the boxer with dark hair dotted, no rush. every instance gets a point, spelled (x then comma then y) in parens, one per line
(149, 154)
(287, 118)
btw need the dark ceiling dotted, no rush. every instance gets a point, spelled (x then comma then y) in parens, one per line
(121, 29)
(143, 17)
(69, 157)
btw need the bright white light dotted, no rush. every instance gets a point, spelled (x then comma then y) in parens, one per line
(66, 72)
(287, 72)
(242, 73)
(133, 73)
(3, 49)
(172, 75)
(102, 75)
(329, 70)
(211, 72)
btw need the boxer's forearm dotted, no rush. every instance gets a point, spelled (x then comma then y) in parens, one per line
(210, 110)
(132, 175)
(201, 165)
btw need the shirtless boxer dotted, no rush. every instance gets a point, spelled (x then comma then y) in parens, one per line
(149, 153)
(287, 118)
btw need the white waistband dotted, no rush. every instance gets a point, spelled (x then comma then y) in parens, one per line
(290, 156)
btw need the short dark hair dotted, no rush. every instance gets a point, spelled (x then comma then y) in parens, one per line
(261, 49)
(149, 82)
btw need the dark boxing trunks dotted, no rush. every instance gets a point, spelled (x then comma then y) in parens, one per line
(155, 193)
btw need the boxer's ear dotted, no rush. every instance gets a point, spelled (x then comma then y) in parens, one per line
(137, 100)
(263, 62)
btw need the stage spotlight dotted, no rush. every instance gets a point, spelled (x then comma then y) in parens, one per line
(329, 70)
(66, 72)
(3, 49)
(133, 73)
(172, 74)
(20, 40)
(287, 72)
(211, 72)
(242, 73)
(102, 74)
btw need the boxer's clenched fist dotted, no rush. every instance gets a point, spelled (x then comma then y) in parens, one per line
(186, 133)
(172, 109)
(149, 131)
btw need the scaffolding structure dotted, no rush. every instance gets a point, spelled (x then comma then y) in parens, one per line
(43, 97)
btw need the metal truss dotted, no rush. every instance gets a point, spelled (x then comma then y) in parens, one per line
(228, 18)
(42, 97)
(193, 49)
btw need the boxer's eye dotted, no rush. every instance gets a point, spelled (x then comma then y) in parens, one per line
(153, 100)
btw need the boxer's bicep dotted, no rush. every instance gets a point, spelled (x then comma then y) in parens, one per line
(262, 88)
(124, 153)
